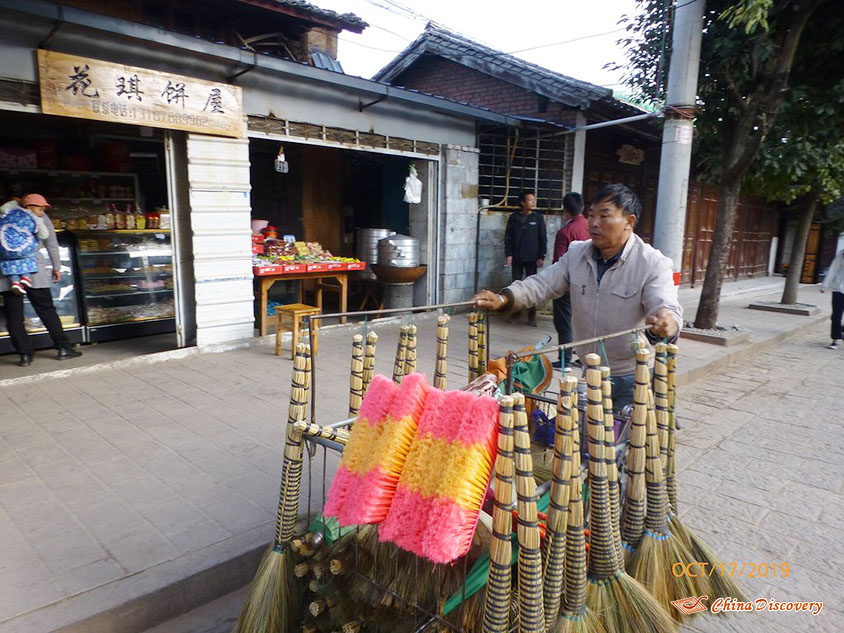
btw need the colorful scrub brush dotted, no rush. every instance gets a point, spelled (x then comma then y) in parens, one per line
(621, 603)
(634, 492)
(652, 561)
(497, 604)
(369, 360)
(531, 608)
(558, 506)
(274, 599)
(445, 477)
(374, 457)
(441, 367)
(356, 376)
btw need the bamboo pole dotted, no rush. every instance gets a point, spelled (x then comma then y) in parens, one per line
(339, 436)
(356, 376)
(369, 360)
(531, 609)
(441, 367)
(497, 604)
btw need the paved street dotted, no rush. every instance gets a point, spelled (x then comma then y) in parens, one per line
(115, 484)
(762, 477)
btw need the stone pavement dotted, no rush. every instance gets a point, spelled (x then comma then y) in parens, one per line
(131, 494)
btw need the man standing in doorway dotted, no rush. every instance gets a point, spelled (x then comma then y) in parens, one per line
(525, 242)
(576, 229)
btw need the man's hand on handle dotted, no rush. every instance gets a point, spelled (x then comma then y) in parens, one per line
(489, 300)
(509, 260)
(663, 323)
(540, 263)
(57, 275)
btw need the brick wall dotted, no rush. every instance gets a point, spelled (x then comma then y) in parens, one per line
(445, 78)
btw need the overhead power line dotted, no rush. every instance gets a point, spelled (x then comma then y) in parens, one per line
(577, 39)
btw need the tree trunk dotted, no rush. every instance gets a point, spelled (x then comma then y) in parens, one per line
(725, 222)
(798, 252)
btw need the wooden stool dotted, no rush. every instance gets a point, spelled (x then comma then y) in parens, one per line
(294, 312)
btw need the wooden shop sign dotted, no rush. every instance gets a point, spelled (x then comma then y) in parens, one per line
(93, 89)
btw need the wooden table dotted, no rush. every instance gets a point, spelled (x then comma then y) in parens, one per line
(342, 287)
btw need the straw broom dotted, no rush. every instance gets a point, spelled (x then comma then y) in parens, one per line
(274, 599)
(410, 355)
(661, 400)
(441, 367)
(401, 354)
(670, 467)
(720, 585)
(473, 346)
(483, 352)
(621, 603)
(531, 609)
(575, 617)
(612, 465)
(369, 360)
(634, 493)
(659, 549)
(555, 539)
(356, 376)
(497, 602)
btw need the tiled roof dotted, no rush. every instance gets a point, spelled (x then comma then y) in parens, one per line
(349, 20)
(436, 40)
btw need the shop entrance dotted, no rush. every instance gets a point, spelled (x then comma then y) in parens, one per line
(108, 188)
(325, 195)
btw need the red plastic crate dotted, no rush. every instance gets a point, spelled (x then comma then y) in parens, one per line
(294, 268)
(257, 239)
(269, 269)
(317, 267)
(336, 265)
(356, 266)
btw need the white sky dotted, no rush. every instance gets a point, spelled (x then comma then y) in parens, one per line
(505, 25)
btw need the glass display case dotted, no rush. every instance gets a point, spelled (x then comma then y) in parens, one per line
(64, 298)
(127, 282)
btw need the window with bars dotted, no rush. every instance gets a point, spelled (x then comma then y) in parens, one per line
(540, 162)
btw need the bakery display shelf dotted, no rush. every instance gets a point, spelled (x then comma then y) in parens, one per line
(106, 295)
(43, 330)
(120, 231)
(132, 320)
(84, 199)
(133, 275)
(73, 173)
(133, 254)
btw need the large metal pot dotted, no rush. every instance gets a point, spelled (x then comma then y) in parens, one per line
(401, 251)
(368, 249)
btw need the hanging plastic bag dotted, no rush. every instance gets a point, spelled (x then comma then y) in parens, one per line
(412, 187)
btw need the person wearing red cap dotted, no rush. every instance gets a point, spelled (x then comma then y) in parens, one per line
(38, 290)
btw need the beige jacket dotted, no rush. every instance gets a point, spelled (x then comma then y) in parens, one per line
(637, 285)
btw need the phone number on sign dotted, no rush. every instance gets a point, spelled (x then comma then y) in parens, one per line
(731, 570)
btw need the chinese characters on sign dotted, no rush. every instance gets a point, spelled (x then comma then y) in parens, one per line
(93, 89)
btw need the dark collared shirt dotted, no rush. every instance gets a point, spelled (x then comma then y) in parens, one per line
(604, 265)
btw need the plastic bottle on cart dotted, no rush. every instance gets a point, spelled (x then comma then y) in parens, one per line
(109, 218)
(130, 218)
(140, 219)
(119, 219)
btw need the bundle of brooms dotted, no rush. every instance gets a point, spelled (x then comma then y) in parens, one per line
(620, 602)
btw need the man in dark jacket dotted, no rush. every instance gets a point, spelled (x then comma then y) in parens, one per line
(525, 242)
(575, 229)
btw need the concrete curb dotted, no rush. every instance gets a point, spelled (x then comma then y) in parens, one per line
(693, 375)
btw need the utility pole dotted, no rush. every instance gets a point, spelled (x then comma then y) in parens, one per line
(673, 188)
